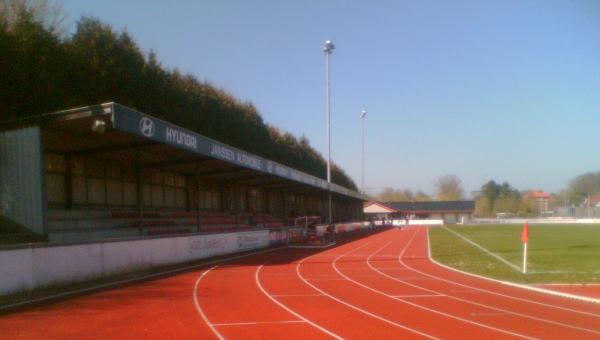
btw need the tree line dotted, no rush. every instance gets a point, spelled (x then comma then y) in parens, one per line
(448, 188)
(42, 70)
(494, 198)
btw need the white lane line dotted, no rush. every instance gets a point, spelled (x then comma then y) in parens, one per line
(496, 256)
(250, 323)
(458, 318)
(199, 309)
(557, 323)
(525, 287)
(355, 307)
(417, 296)
(197, 284)
(280, 304)
(294, 295)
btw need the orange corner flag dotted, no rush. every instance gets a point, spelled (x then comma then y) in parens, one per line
(525, 233)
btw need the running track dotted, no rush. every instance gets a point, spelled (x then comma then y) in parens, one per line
(380, 286)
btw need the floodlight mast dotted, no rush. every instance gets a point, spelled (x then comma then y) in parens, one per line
(363, 116)
(328, 49)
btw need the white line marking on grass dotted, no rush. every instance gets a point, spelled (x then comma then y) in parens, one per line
(199, 309)
(260, 286)
(569, 284)
(553, 292)
(552, 271)
(355, 307)
(435, 311)
(501, 282)
(250, 323)
(496, 256)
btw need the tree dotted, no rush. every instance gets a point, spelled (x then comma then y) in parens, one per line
(490, 191)
(483, 206)
(389, 194)
(581, 186)
(420, 196)
(43, 72)
(499, 198)
(49, 15)
(449, 188)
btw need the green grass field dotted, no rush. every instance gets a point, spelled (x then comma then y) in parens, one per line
(557, 253)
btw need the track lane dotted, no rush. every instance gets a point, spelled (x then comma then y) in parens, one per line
(437, 317)
(346, 320)
(470, 309)
(134, 311)
(233, 305)
(308, 284)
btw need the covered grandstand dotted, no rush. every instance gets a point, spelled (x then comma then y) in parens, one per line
(108, 171)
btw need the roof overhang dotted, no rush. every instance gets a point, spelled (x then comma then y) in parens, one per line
(377, 208)
(130, 134)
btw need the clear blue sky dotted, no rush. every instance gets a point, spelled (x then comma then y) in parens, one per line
(505, 90)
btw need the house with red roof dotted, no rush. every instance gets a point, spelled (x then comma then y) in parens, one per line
(593, 201)
(540, 198)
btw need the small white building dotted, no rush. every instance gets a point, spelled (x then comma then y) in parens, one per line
(377, 211)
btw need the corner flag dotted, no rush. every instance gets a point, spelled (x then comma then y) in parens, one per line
(525, 233)
(525, 239)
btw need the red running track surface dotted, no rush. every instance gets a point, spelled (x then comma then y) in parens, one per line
(380, 286)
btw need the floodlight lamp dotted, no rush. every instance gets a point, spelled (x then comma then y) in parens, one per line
(99, 126)
(329, 47)
(363, 114)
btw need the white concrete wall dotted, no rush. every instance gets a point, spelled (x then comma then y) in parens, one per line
(16, 270)
(418, 222)
(549, 220)
(28, 268)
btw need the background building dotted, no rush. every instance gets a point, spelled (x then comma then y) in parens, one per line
(448, 211)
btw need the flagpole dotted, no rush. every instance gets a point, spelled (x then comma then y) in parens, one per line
(525, 258)
(525, 239)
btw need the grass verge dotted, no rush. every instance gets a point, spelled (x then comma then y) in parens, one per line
(557, 253)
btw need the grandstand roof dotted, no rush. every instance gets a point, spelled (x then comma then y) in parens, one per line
(433, 206)
(165, 145)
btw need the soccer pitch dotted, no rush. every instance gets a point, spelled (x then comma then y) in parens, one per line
(556, 254)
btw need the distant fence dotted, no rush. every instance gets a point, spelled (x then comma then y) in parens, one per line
(549, 220)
